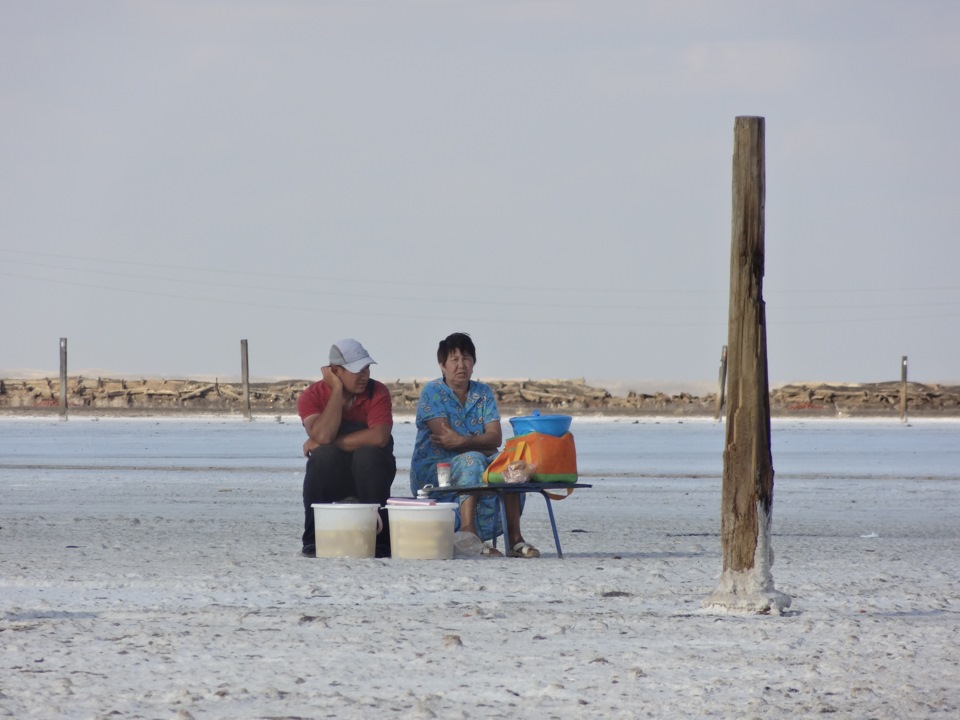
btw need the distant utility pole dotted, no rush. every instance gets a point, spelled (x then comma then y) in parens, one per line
(903, 389)
(63, 378)
(746, 583)
(245, 372)
(721, 391)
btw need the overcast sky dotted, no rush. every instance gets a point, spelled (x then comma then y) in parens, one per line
(551, 177)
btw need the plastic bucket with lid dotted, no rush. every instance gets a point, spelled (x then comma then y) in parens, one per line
(346, 530)
(422, 532)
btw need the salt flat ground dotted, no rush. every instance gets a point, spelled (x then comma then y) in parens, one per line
(150, 569)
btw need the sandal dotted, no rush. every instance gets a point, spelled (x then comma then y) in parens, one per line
(525, 550)
(490, 551)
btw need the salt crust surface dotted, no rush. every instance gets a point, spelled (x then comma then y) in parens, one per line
(180, 593)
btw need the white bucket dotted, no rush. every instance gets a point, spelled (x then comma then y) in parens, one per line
(422, 532)
(345, 530)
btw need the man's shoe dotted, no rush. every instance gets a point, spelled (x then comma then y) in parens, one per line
(309, 550)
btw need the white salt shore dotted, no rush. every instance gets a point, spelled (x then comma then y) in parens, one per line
(138, 588)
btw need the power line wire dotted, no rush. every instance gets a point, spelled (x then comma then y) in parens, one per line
(418, 284)
(467, 299)
(561, 322)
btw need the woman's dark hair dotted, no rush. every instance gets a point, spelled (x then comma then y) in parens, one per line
(456, 341)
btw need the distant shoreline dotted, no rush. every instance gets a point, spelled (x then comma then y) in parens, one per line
(161, 397)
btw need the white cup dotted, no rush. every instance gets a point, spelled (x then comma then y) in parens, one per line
(443, 474)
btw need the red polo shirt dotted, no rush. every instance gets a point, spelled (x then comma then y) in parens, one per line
(372, 407)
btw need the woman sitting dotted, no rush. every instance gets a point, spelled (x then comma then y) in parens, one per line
(458, 423)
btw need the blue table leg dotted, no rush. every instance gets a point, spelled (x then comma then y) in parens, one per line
(553, 524)
(503, 519)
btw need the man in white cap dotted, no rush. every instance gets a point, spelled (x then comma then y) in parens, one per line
(349, 420)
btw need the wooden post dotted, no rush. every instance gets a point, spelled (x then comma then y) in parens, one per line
(723, 382)
(746, 582)
(903, 389)
(245, 372)
(63, 378)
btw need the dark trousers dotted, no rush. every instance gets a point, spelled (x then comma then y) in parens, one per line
(334, 474)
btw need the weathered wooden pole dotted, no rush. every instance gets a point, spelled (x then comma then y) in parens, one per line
(63, 378)
(245, 371)
(721, 391)
(746, 582)
(903, 389)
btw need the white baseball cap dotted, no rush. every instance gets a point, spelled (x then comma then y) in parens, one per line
(349, 354)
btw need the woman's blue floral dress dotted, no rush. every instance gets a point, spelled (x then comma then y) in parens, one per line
(437, 401)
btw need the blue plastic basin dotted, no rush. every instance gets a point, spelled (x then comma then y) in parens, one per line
(556, 425)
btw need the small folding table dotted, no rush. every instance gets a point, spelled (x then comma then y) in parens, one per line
(501, 489)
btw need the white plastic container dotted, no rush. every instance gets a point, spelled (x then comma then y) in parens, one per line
(422, 532)
(443, 474)
(345, 530)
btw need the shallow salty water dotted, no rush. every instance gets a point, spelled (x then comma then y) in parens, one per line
(821, 448)
(884, 457)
